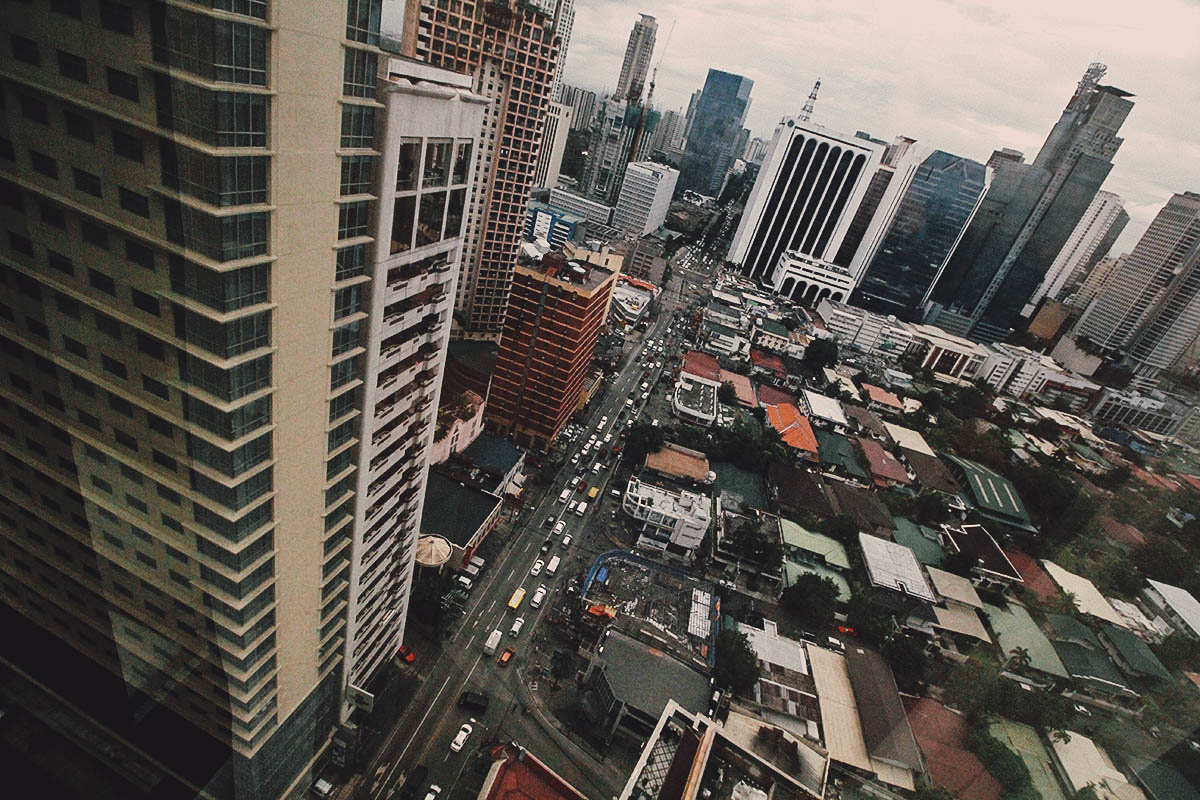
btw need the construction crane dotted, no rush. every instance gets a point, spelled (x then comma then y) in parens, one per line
(806, 112)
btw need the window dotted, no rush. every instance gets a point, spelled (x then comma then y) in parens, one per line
(134, 203)
(249, 8)
(163, 460)
(243, 180)
(225, 340)
(120, 405)
(228, 424)
(145, 302)
(429, 224)
(358, 126)
(404, 214)
(343, 404)
(53, 215)
(241, 120)
(6, 149)
(353, 219)
(229, 384)
(25, 50)
(116, 17)
(34, 109)
(346, 338)
(231, 463)
(87, 182)
(66, 305)
(343, 372)
(94, 233)
(128, 146)
(68, 8)
(114, 367)
(98, 280)
(351, 262)
(20, 244)
(154, 387)
(360, 73)
(462, 163)
(454, 212)
(136, 503)
(223, 291)
(79, 127)
(409, 163)
(362, 21)
(149, 345)
(74, 347)
(44, 164)
(220, 238)
(72, 66)
(347, 301)
(139, 254)
(437, 163)
(123, 84)
(239, 53)
(356, 174)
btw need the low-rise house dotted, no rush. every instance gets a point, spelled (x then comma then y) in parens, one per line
(1024, 648)
(941, 733)
(925, 542)
(461, 514)
(882, 401)
(839, 458)
(986, 562)
(988, 492)
(794, 429)
(806, 551)
(798, 491)
(826, 411)
(866, 422)
(784, 685)
(768, 365)
(725, 340)
(894, 571)
(1132, 654)
(886, 470)
(1080, 764)
(680, 463)
(932, 474)
(1086, 660)
(673, 522)
(868, 513)
(770, 335)
(1088, 599)
(1177, 606)
(907, 438)
(746, 398)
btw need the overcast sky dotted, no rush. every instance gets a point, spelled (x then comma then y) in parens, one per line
(963, 76)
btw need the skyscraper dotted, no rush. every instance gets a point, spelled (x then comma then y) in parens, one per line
(635, 68)
(191, 323)
(645, 197)
(564, 22)
(511, 49)
(716, 124)
(878, 186)
(902, 255)
(1104, 216)
(582, 103)
(1028, 215)
(555, 316)
(803, 199)
(554, 141)
(1149, 309)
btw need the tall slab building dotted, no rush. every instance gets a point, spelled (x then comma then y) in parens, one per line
(1098, 228)
(510, 47)
(1027, 216)
(635, 67)
(713, 131)
(196, 309)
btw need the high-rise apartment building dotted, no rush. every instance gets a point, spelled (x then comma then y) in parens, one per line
(1098, 228)
(193, 305)
(756, 150)
(716, 125)
(1028, 214)
(583, 105)
(668, 136)
(510, 47)
(802, 202)
(621, 133)
(564, 22)
(554, 142)
(1094, 282)
(635, 68)
(904, 249)
(555, 316)
(1149, 309)
(645, 197)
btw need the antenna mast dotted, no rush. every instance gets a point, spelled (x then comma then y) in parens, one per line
(806, 112)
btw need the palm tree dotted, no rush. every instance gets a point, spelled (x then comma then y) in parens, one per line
(1018, 658)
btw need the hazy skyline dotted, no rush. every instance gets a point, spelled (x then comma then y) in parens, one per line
(967, 77)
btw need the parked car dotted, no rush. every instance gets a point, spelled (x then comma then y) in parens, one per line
(461, 737)
(473, 701)
(566, 540)
(518, 623)
(434, 791)
(406, 654)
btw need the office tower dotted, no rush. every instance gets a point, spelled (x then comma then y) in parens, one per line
(555, 314)
(803, 199)
(880, 184)
(187, 318)
(906, 246)
(1149, 310)
(635, 68)
(668, 136)
(582, 103)
(645, 197)
(618, 136)
(690, 116)
(1027, 216)
(716, 125)
(756, 150)
(1094, 281)
(1103, 216)
(1005, 155)
(511, 49)
(554, 142)
(564, 22)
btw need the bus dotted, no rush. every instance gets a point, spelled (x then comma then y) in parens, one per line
(592, 494)
(517, 597)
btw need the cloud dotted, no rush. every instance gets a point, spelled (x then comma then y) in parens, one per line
(967, 76)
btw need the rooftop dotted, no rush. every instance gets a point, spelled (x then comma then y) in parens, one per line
(743, 387)
(799, 490)
(907, 438)
(1181, 602)
(826, 549)
(837, 451)
(645, 678)
(493, 454)
(1092, 666)
(923, 541)
(930, 471)
(792, 570)
(556, 267)
(985, 556)
(679, 461)
(883, 397)
(1014, 628)
(770, 395)
(1087, 597)
(885, 728)
(772, 327)
(772, 648)
(991, 493)
(825, 407)
(954, 587)
(793, 427)
(864, 508)
(1083, 763)
(455, 511)
(516, 774)
(885, 467)
(701, 365)
(939, 732)
(767, 361)
(1033, 577)
(1026, 743)
(740, 487)
(893, 566)
(960, 619)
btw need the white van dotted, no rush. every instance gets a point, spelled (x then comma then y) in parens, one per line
(581, 508)
(564, 496)
(493, 641)
(464, 582)
(552, 567)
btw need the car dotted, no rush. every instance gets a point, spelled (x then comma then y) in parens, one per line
(536, 569)
(581, 486)
(1082, 710)
(474, 701)
(546, 545)
(507, 656)
(549, 523)
(434, 791)
(575, 458)
(464, 732)
(518, 623)
(406, 654)
(538, 596)
(559, 528)
(566, 540)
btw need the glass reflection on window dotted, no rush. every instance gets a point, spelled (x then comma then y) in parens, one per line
(462, 162)
(454, 214)
(406, 172)
(429, 225)
(403, 217)
(437, 163)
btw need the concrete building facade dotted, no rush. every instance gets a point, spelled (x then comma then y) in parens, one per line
(1099, 227)
(554, 142)
(645, 197)
(635, 67)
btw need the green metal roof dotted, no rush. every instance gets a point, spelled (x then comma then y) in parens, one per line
(830, 550)
(1091, 665)
(1135, 652)
(1015, 628)
(792, 570)
(1069, 628)
(837, 450)
(990, 492)
(921, 540)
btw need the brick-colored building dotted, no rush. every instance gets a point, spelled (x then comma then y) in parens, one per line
(555, 313)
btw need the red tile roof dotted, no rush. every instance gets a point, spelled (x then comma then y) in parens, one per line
(767, 361)
(770, 396)
(884, 466)
(952, 767)
(1035, 579)
(794, 428)
(1191, 480)
(514, 776)
(702, 365)
(741, 385)
(1152, 480)
(1120, 532)
(882, 396)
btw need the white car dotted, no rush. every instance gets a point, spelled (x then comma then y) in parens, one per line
(566, 540)
(560, 527)
(536, 569)
(433, 792)
(518, 623)
(575, 458)
(460, 738)
(538, 597)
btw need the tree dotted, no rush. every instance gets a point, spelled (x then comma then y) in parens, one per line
(841, 528)
(727, 393)
(643, 438)
(931, 508)
(736, 663)
(870, 621)
(1018, 659)
(820, 353)
(811, 599)
(908, 661)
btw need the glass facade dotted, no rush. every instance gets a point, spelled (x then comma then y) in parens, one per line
(716, 126)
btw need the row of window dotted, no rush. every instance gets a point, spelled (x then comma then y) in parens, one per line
(219, 181)
(221, 119)
(217, 49)
(118, 82)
